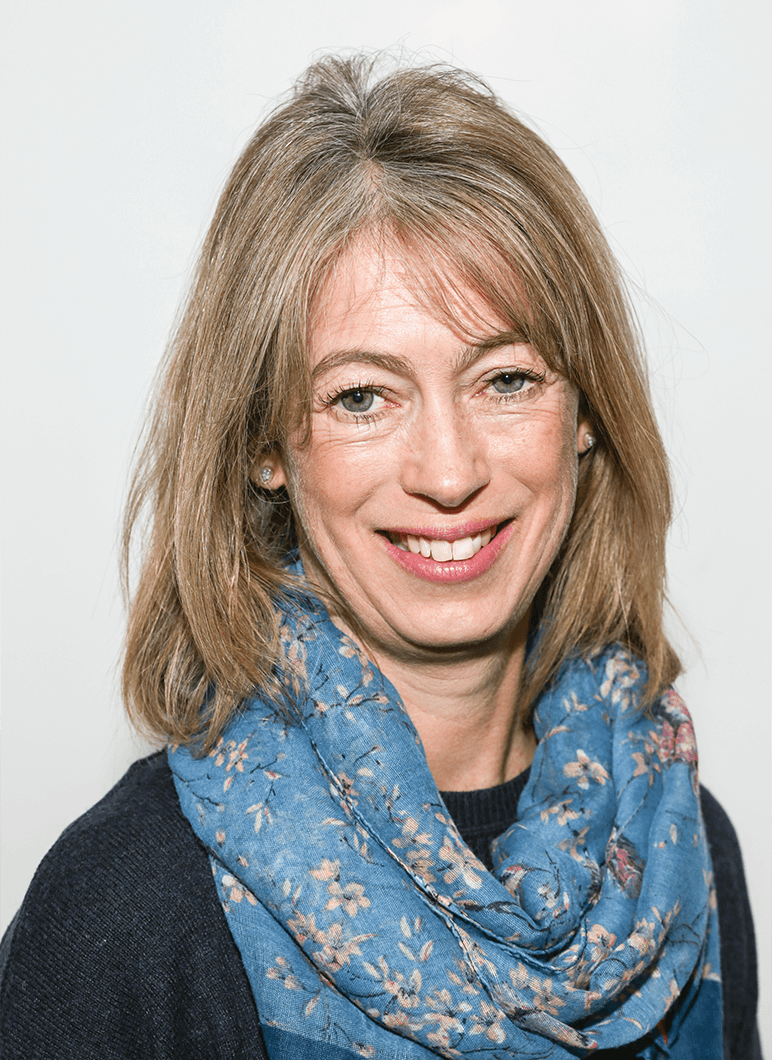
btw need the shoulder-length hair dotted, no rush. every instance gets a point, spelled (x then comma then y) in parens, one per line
(430, 160)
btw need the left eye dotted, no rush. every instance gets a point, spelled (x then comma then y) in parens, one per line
(508, 383)
(357, 400)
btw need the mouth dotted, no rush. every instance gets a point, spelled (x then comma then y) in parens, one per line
(444, 549)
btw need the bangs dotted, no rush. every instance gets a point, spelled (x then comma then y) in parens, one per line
(494, 237)
(447, 267)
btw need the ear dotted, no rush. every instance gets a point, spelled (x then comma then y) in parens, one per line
(268, 472)
(585, 434)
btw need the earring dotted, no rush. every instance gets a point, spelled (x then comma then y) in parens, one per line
(266, 474)
(589, 442)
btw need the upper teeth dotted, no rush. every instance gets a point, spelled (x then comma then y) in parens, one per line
(444, 551)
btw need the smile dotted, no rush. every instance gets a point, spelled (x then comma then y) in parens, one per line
(442, 550)
(449, 555)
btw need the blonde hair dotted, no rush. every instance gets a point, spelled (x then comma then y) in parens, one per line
(431, 161)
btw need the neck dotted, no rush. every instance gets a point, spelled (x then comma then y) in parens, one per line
(466, 712)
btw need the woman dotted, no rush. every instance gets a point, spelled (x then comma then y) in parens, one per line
(400, 623)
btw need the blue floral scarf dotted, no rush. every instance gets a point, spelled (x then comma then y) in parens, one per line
(369, 929)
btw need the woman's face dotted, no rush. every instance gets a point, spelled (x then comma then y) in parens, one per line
(426, 446)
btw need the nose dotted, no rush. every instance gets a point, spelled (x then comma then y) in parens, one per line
(445, 458)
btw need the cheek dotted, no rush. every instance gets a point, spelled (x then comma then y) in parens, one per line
(331, 477)
(324, 488)
(543, 459)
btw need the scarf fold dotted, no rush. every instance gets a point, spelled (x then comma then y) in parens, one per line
(366, 926)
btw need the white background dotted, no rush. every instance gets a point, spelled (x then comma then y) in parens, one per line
(122, 121)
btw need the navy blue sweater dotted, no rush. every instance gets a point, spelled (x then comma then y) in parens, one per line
(121, 949)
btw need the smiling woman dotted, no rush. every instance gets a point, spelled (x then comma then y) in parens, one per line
(449, 432)
(425, 173)
(427, 790)
(460, 472)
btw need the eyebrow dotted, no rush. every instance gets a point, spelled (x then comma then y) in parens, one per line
(388, 361)
(381, 360)
(470, 354)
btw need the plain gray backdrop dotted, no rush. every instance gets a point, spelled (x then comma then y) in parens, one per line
(121, 123)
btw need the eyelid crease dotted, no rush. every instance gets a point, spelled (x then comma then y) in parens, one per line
(333, 395)
(473, 353)
(533, 375)
(352, 388)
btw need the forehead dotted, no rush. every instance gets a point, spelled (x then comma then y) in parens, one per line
(374, 291)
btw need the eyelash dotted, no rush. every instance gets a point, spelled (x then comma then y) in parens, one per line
(331, 400)
(333, 397)
(527, 374)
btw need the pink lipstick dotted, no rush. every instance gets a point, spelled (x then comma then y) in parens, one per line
(430, 553)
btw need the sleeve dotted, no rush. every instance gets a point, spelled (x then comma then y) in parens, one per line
(120, 949)
(70, 982)
(738, 941)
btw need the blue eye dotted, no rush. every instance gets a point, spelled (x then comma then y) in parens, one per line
(357, 400)
(508, 383)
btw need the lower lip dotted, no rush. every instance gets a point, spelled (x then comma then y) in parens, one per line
(461, 570)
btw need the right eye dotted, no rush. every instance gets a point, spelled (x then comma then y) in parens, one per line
(358, 400)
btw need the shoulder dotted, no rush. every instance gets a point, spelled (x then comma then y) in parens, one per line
(117, 850)
(722, 838)
(729, 877)
(738, 942)
(121, 942)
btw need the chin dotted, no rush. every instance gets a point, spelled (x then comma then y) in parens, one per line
(448, 631)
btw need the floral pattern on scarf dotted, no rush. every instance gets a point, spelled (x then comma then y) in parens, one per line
(368, 927)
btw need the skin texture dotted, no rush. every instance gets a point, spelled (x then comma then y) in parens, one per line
(415, 425)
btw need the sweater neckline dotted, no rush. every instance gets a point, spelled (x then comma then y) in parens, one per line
(483, 815)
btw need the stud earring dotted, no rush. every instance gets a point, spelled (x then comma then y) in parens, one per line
(589, 442)
(266, 474)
